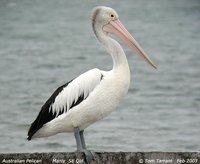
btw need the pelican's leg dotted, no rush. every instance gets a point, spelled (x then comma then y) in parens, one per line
(82, 139)
(80, 142)
(78, 139)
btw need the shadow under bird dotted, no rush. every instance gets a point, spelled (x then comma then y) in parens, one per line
(94, 94)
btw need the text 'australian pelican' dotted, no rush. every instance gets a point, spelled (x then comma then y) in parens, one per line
(94, 94)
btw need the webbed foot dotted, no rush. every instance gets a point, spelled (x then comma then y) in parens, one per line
(88, 156)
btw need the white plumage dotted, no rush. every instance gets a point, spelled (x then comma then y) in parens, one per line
(94, 94)
(84, 84)
(102, 97)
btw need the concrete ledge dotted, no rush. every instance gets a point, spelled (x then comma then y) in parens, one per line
(103, 158)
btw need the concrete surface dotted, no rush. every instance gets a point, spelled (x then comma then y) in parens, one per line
(103, 158)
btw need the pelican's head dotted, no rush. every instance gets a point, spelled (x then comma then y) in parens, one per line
(106, 20)
(101, 16)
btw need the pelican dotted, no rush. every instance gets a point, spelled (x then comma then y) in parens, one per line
(94, 94)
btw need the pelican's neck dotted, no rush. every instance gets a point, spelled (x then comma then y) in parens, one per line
(116, 51)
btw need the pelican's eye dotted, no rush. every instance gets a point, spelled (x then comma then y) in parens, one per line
(112, 15)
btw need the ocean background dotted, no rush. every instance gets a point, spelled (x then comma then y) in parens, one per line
(44, 44)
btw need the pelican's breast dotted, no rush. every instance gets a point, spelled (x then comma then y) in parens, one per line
(102, 101)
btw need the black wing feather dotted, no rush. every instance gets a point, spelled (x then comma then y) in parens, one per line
(45, 114)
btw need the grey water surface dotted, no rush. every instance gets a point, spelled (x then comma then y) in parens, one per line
(44, 44)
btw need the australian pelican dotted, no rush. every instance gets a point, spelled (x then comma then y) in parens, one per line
(94, 94)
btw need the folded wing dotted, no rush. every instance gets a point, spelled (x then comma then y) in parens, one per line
(65, 98)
